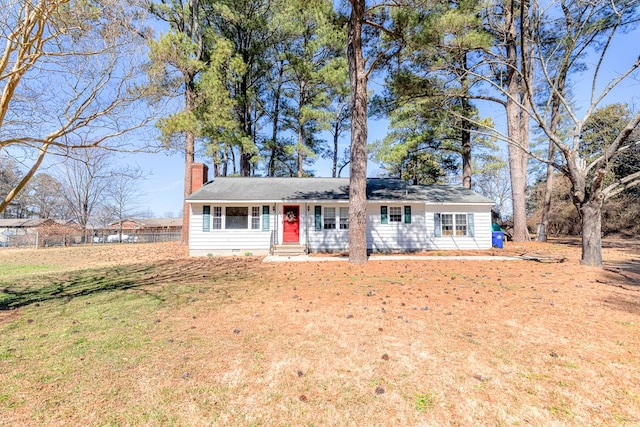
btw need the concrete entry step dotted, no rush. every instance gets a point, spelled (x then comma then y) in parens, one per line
(289, 250)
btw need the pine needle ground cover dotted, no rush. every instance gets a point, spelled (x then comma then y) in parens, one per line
(144, 335)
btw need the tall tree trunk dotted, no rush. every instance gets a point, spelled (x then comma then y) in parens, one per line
(336, 136)
(518, 143)
(526, 64)
(300, 151)
(518, 174)
(543, 227)
(194, 33)
(225, 161)
(234, 169)
(358, 171)
(215, 158)
(336, 127)
(189, 158)
(466, 125)
(548, 188)
(466, 154)
(301, 134)
(84, 212)
(591, 214)
(245, 163)
(271, 168)
(245, 157)
(522, 229)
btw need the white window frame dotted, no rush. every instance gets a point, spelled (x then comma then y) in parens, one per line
(460, 229)
(454, 224)
(219, 217)
(329, 218)
(449, 223)
(256, 218)
(245, 218)
(216, 218)
(395, 214)
(334, 218)
(343, 217)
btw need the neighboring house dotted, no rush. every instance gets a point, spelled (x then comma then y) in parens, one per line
(21, 231)
(257, 215)
(148, 225)
(141, 230)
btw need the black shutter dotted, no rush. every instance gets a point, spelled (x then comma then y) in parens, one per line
(407, 214)
(318, 218)
(206, 218)
(265, 218)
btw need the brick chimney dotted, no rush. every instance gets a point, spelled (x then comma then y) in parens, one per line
(199, 176)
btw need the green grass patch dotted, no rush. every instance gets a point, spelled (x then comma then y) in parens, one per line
(85, 330)
(424, 401)
(37, 289)
(12, 271)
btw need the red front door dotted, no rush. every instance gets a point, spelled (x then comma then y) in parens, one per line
(291, 224)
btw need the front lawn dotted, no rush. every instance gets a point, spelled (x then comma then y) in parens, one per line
(135, 336)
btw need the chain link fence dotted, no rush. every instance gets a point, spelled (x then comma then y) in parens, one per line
(38, 238)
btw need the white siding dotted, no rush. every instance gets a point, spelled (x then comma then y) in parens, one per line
(227, 242)
(390, 237)
(419, 235)
(482, 227)
(335, 240)
(396, 236)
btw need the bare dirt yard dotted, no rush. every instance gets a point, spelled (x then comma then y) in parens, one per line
(143, 335)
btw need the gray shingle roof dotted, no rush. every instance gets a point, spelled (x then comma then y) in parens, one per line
(321, 189)
(161, 222)
(152, 222)
(22, 222)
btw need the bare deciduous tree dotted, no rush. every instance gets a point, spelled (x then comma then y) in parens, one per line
(85, 181)
(589, 189)
(124, 196)
(46, 194)
(69, 78)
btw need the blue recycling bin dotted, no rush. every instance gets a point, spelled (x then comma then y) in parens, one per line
(497, 239)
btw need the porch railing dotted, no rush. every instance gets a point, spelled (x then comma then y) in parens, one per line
(273, 241)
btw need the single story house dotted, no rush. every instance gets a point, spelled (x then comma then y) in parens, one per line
(148, 225)
(140, 230)
(21, 231)
(258, 215)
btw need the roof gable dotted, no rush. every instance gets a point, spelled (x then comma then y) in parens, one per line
(258, 189)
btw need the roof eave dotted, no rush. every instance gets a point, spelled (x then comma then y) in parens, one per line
(256, 201)
(376, 201)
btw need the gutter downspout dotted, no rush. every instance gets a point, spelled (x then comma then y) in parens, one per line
(276, 212)
(306, 225)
